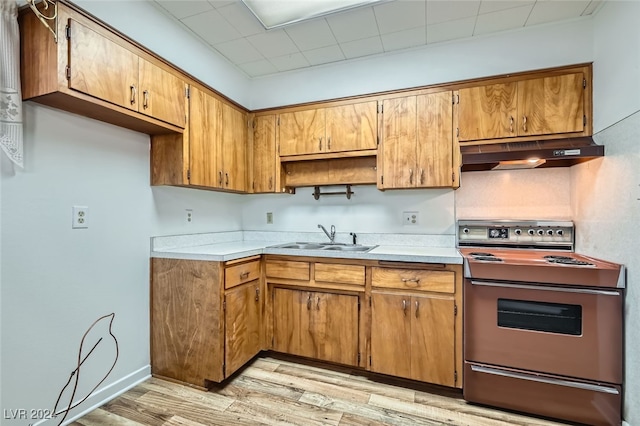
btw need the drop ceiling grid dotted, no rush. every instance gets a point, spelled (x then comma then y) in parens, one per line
(231, 29)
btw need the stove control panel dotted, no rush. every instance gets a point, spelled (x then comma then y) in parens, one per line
(525, 234)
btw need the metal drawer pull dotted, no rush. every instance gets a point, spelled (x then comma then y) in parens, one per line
(545, 288)
(511, 124)
(318, 303)
(417, 308)
(309, 302)
(145, 99)
(257, 294)
(404, 307)
(133, 94)
(244, 275)
(524, 123)
(411, 280)
(547, 380)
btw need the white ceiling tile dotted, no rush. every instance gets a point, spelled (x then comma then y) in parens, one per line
(258, 68)
(548, 11)
(222, 3)
(290, 62)
(239, 51)
(400, 15)
(273, 43)
(404, 39)
(185, 8)
(212, 27)
(447, 10)
(353, 25)
(450, 30)
(593, 7)
(242, 19)
(364, 47)
(311, 35)
(502, 20)
(488, 6)
(324, 55)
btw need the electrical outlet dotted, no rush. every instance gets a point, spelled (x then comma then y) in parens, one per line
(189, 215)
(80, 217)
(269, 218)
(410, 218)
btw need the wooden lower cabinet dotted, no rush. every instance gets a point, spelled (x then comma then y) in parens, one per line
(413, 336)
(242, 318)
(316, 324)
(201, 332)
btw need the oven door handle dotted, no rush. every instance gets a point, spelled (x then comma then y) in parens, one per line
(547, 380)
(546, 288)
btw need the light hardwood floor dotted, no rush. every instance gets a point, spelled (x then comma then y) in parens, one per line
(281, 391)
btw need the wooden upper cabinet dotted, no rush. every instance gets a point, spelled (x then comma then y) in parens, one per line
(342, 128)
(531, 107)
(264, 154)
(205, 129)
(162, 94)
(352, 127)
(102, 68)
(417, 142)
(234, 148)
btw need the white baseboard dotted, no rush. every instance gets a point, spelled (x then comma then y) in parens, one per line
(103, 396)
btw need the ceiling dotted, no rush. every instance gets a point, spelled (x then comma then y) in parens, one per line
(232, 30)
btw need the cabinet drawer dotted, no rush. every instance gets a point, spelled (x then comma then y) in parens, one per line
(343, 274)
(241, 273)
(414, 279)
(288, 269)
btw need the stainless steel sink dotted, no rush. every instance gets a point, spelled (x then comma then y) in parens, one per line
(325, 246)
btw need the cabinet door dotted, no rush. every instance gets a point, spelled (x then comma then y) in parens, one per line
(234, 148)
(433, 340)
(102, 68)
(352, 127)
(435, 140)
(399, 135)
(302, 132)
(551, 105)
(205, 118)
(290, 320)
(264, 154)
(242, 325)
(391, 334)
(487, 112)
(333, 328)
(162, 94)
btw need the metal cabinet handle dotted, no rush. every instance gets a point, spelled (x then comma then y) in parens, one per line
(524, 123)
(244, 275)
(226, 179)
(145, 99)
(270, 182)
(417, 308)
(421, 176)
(309, 302)
(220, 178)
(410, 176)
(318, 303)
(329, 143)
(257, 294)
(133, 94)
(404, 307)
(319, 144)
(511, 124)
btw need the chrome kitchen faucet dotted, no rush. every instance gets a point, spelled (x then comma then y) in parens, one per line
(331, 235)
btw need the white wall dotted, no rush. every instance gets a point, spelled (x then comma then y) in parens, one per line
(368, 211)
(523, 50)
(606, 192)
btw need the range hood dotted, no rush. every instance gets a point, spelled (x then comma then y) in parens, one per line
(531, 154)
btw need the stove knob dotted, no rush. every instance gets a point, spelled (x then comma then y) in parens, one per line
(550, 232)
(560, 232)
(518, 231)
(530, 232)
(465, 231)
(540, 232)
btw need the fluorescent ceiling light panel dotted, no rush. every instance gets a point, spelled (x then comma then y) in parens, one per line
(278, 13)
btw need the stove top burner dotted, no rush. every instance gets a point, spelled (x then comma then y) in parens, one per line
(566, 260)
(491, 258)
(480, 253)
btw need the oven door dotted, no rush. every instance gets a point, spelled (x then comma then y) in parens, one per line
(558, 330)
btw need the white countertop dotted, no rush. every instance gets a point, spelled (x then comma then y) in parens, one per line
(231, 250)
